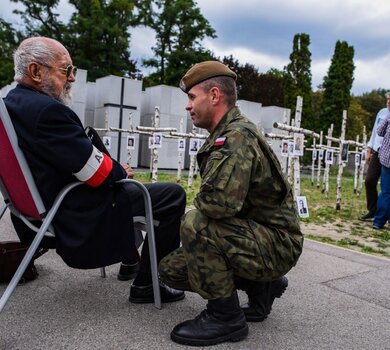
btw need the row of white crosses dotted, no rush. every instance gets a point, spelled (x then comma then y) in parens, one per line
(342, 150)
(155, 133)
(296, 147)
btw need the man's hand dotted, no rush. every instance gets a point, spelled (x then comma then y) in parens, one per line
(368, 155)
(129, 170)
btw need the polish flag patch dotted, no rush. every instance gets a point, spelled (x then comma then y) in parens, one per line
(220, 141)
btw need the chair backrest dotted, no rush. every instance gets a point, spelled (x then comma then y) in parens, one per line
(17, 184)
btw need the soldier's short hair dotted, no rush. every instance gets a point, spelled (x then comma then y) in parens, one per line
(226, 85)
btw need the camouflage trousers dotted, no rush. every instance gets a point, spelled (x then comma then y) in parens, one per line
(215, 253)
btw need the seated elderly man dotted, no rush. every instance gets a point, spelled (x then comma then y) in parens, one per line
(94, 223)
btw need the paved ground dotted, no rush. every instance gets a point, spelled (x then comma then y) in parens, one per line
(337, 299)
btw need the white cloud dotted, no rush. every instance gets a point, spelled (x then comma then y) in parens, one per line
(142, 39)
(371, 73)
(368, 17)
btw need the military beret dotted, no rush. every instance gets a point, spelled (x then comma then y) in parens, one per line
(203, 71)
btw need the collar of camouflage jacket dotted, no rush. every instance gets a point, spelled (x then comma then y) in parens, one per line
(219, 130)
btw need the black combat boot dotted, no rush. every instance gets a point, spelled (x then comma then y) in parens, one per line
(223, 320)
(261, 296)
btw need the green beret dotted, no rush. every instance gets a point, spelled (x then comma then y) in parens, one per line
(203, 71)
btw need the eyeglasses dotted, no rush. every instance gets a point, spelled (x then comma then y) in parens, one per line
(71, 69)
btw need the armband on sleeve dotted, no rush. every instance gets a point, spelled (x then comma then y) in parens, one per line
(96, 169)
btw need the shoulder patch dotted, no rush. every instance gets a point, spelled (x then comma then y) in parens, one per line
(220, 141)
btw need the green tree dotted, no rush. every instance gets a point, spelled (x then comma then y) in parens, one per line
(180, 27)
(298, 80)
(337, 86)
(40, 19)
(270, 88)
(265, 88)
(98, 37)
(372, 102)
(9, 39)
(357, 117)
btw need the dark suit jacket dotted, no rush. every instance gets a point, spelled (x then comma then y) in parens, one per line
(93, 225)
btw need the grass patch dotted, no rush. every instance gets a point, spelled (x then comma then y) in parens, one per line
(353, 234)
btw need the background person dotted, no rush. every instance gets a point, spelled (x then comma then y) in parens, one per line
(374, 166)
(94, 222)
(382, 214)
(244, 233)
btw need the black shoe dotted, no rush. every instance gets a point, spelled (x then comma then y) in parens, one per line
(367, 217)
(144, 294)
(222, 321)
(128, 271)
(261, 298)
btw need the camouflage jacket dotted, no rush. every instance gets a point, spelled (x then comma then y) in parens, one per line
(242, 177)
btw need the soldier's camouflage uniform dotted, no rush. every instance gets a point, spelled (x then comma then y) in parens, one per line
(245, 225)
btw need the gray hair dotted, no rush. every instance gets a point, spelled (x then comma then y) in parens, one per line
(31, 50)
(226, 85)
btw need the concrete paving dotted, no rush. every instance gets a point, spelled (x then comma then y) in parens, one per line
(337, 299)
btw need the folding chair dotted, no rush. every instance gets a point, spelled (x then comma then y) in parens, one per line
(21, 196)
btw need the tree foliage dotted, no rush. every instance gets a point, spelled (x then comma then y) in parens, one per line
(337, 86)
(180, 27)
(372, 102)
(356, 119)
(40, 19)
(98, 37)
(298, 80)
(265, 88)
(9, 39)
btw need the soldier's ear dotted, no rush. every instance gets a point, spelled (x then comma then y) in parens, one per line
(215, 95)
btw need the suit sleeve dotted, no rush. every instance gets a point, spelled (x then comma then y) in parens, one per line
(62, 141)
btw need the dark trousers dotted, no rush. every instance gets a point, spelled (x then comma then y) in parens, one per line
(371, 183)
(383, 213)
(168, 206)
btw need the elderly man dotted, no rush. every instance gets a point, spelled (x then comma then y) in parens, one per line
(94, 223)
(244, 231)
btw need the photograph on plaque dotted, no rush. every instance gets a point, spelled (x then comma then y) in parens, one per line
(157, 140)
(303, 210)
(130, 142)
(344, 151)
(329, 157)
(364, 156)
(357, 159)
(151, 142)
(291, 148)
(284, 149)
(107, 141)
(194, 146)
(181, 145)
(298, 144)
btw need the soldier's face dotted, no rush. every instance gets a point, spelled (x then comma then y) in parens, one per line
(199, 106)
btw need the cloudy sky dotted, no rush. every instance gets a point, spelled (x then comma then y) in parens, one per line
(261, 32)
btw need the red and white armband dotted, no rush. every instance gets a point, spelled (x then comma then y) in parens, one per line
(96, 169)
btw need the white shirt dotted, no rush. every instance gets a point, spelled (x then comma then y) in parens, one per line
(375, 140)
